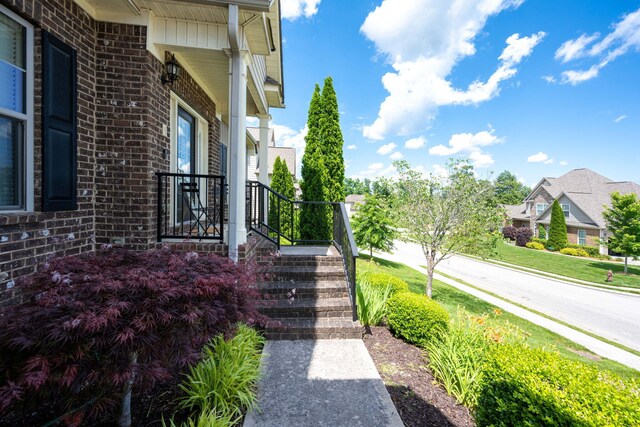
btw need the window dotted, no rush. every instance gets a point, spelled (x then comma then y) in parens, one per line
(565, 210)
(582, 237)
(16, 113)
(223, 160)
(540, 207)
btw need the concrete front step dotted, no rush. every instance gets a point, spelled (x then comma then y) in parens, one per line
(308, 308)
(302, 261)
(319, 328)
(305, 290)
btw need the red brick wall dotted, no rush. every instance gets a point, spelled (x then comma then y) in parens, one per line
(28, 239)
(593, 236)
(122, 106)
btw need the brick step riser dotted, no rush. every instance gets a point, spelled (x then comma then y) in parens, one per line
(313, 334)
(307, 312)
(307, 276)
(304, 294)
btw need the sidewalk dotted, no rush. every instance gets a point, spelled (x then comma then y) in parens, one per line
(321, 383)
(595, 345)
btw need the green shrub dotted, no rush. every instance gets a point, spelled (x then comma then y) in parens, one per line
(416, 318)
(457, 358)
(574, 252)
(592, 251)
(535, 245)
(225, 380)
(603, 257)
(371, 303)
(557, 238)
(204, 419)
(381, 280)
(539, 240)
(524, 386)
(542, 232)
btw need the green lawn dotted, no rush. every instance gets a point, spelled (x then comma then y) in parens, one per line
(452, 298)
(578, 268)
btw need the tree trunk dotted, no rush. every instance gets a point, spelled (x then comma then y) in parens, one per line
(371, 253)
(430, 270)
(625, 264)
(125, 411)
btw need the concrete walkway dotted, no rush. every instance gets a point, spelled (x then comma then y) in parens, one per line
(321, 383)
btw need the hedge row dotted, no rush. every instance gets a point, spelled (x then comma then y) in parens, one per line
(416, 318)
(379, 281)
(525, 386)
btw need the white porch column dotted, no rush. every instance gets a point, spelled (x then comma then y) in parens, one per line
(263, 174)
(237, 137)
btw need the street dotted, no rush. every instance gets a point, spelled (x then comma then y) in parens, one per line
(610, 315)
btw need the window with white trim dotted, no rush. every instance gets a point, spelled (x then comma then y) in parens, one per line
(565, 210)
(582, 237)
(16, 112)
(540, 207)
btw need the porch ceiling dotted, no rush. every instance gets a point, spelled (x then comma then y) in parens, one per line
(259, 18)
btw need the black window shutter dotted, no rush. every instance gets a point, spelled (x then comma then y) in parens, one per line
(59, 133)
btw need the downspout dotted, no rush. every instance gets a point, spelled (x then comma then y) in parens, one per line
(237, 136)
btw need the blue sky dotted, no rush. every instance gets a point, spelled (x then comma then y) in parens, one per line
(534, 87)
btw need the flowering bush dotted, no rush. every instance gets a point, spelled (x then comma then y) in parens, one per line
(101, 323)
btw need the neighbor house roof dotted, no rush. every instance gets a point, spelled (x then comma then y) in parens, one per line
(354, 198)
(288, 154)
(517, 211)
(588, 190)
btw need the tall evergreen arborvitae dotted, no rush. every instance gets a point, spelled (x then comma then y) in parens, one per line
(280, 212)
(314, 223)
(557, 228)
(314, 219)
(332, 142)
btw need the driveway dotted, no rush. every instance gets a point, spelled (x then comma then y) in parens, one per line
(610, 315)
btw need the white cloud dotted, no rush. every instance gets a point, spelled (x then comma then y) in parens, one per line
(386, 149)
(294, 9)
(415, 143)
(439, 170)
(521, 180)
(253, 121)
(563, 163)
(351, 147)
(375, 170)
(287, 137)
(620, 118)
(548, 161)
(538, 158)
(549, 79)
(572, 49)
(423, 53)
(469, 144)
(396, 156)
(624, 37)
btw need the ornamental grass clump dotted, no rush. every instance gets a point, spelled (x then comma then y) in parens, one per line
(224, 382)
(371, 303)
(95, 327)
(416, 318)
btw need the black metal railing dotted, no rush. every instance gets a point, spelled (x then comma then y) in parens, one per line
(190, 206)
(277, 218)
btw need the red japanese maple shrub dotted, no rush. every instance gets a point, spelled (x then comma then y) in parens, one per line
(523, 235)
(509, 232)
(100, 324)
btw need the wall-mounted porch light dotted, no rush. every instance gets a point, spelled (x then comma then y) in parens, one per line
(172, 71)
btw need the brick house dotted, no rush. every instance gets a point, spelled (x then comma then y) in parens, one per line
(88, 120)
(582, 194)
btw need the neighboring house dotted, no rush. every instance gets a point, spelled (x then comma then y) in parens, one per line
(287, 154)
(582, 194)
(88, 120)
(352, 203)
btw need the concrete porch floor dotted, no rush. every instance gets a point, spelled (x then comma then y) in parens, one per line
(309, 251)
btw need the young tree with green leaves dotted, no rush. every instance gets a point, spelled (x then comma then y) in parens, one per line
(623, 223)
(446, 215)
(557, 238)
(280, 211)
(372, 226)
(332, 142)
(510, 191)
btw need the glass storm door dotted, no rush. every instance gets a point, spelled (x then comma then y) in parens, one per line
(186, 163)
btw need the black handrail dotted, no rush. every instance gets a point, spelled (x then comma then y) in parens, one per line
(190, 206)
(281, 223)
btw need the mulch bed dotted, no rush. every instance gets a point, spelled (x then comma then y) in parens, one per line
(420, 401)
